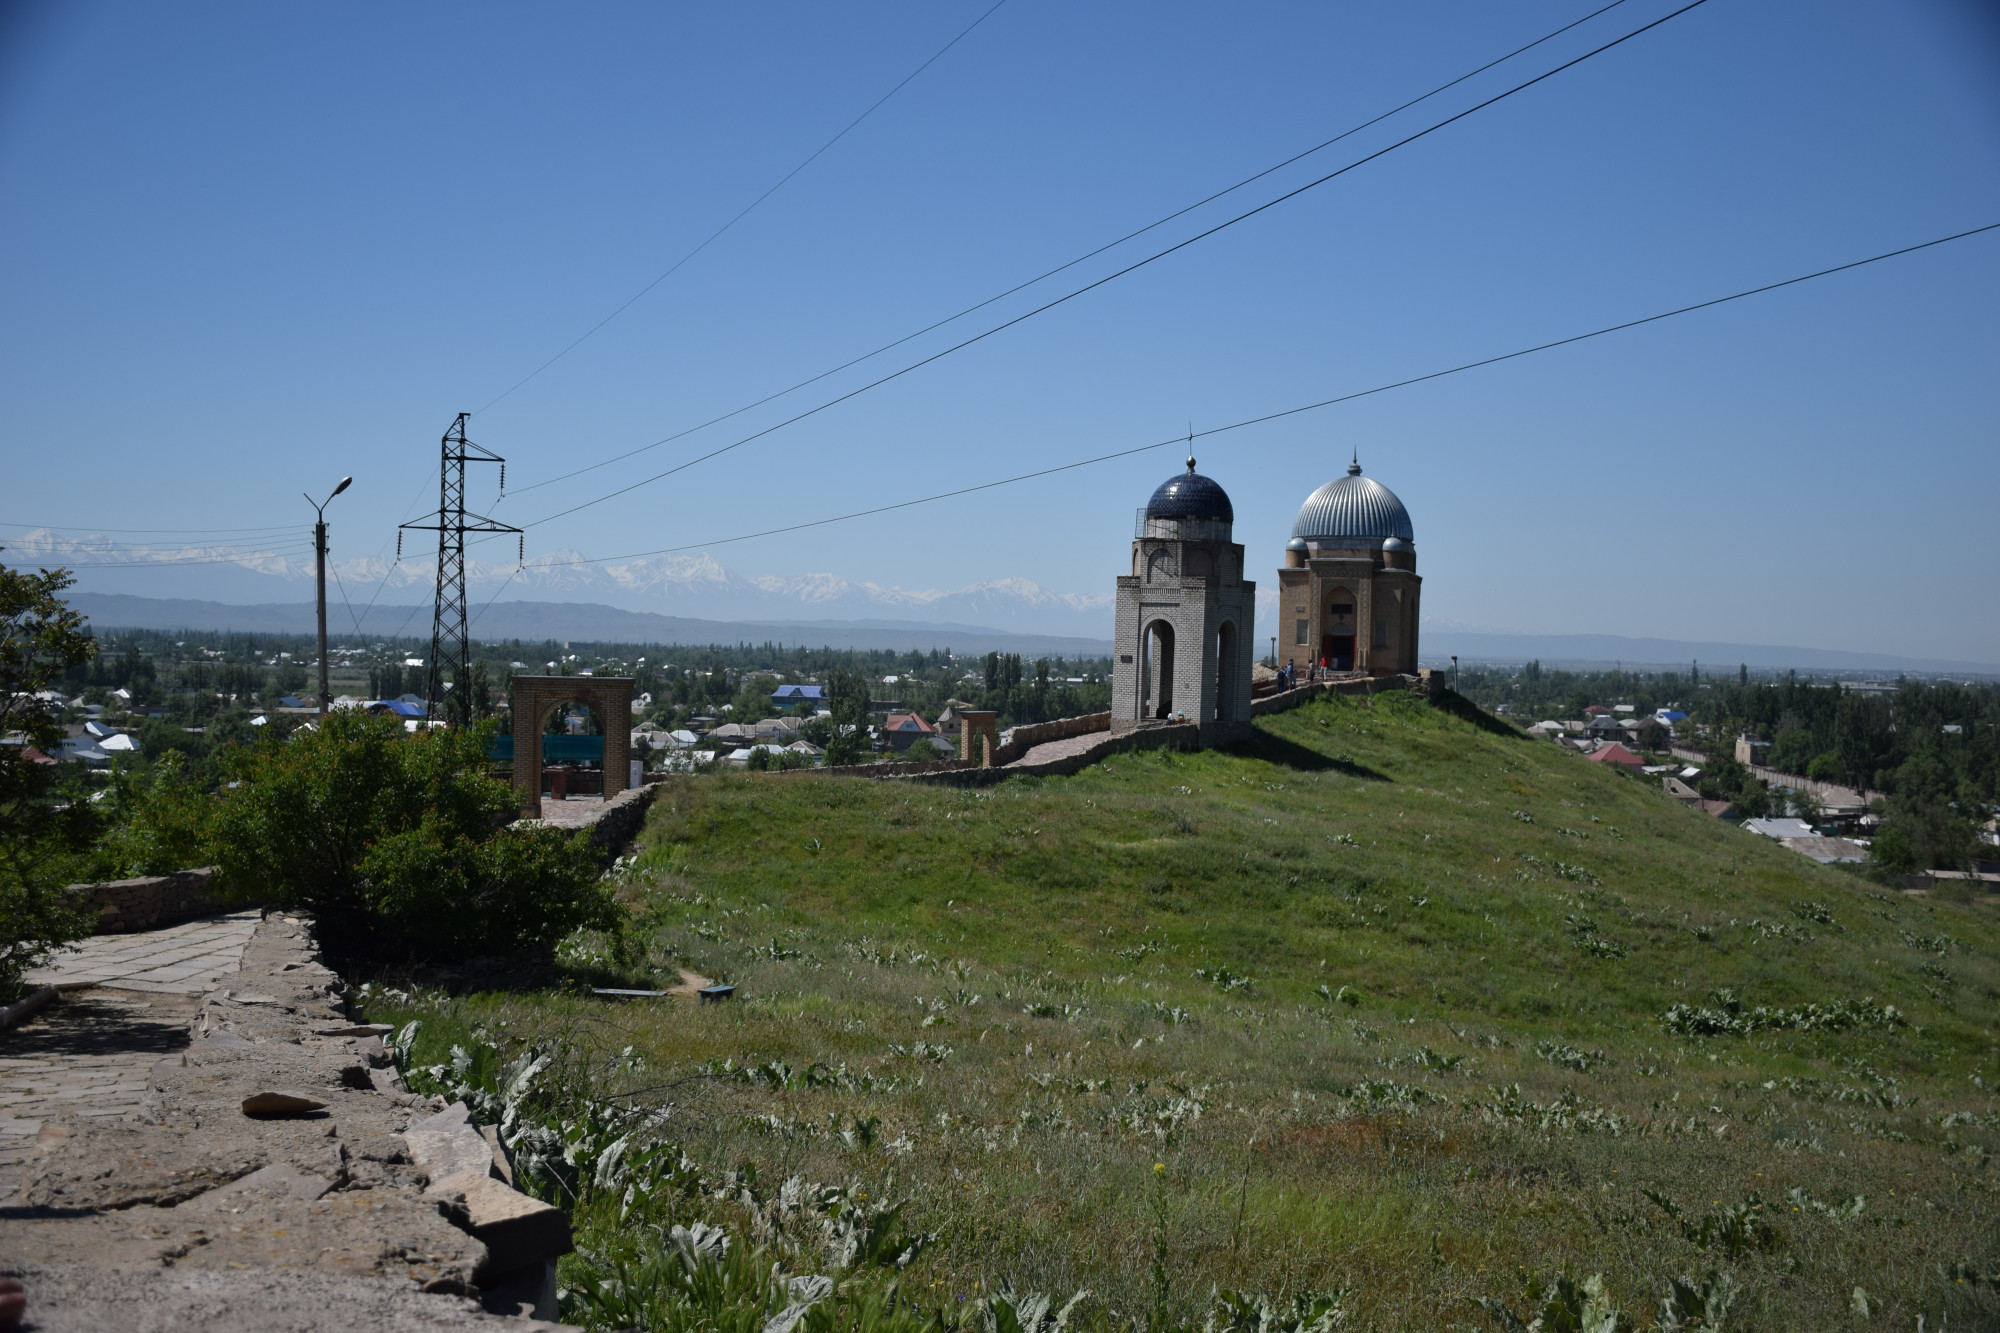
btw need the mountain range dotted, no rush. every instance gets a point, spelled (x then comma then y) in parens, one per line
(689, 586)
(697, 599)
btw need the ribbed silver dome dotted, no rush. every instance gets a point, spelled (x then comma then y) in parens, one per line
(1355, 508)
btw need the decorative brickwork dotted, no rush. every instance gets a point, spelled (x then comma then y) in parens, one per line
(533, 698)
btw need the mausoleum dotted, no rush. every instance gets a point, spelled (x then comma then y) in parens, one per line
(1347, 596)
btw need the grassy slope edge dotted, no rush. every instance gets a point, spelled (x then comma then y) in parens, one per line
(1142, 976)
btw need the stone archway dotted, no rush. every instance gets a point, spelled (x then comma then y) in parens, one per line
(533, 698)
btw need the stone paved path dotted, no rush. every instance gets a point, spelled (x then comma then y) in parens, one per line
(576, 812)
(127, 1002)
(182, 959)
(89, 1052)
(1049, 751)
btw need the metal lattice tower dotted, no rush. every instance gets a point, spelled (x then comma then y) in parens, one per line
(450, 642)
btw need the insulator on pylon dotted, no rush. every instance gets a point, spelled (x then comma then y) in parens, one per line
(399, 543)
(521, 555)
(503, 479)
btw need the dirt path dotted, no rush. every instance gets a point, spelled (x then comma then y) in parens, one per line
(691, 982)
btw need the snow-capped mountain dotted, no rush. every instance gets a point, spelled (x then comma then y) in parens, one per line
(697, 586)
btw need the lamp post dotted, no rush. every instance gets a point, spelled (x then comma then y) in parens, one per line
(1454, 673)
(319, 549)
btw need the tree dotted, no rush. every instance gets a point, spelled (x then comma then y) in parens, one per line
(397, 845)
(44, 822)
(847, 704)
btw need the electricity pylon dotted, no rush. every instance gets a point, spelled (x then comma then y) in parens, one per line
(449, 641)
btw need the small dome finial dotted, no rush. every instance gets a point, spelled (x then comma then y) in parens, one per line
(1354, 467)
(1190, 439)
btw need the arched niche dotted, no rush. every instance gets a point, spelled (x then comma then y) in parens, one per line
(1156, 670)
(1225, 672)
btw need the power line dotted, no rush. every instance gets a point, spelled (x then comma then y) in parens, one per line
(1130, 268)
(1292, 411)
(58, 527)
(197, 556)
(495, 597)
(190, 549)
(1109, 245)
(717, 233)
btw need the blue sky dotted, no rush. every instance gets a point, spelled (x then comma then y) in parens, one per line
(247, 249)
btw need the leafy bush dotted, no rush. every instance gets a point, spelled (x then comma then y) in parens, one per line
(162, 819)
(397, 844)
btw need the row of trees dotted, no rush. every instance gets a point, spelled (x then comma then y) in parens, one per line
(1932, 747)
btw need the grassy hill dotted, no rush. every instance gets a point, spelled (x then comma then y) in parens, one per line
(1387, 1001)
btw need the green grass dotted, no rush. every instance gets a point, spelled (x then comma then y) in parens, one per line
(1151, 1086)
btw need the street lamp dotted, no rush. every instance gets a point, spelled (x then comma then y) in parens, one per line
(1454, 673)
(319, 548)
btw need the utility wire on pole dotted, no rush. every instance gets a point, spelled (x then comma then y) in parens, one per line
(1129, 268)
(747, 208)
(1290, 411)
(448, 629)
(1070, 264)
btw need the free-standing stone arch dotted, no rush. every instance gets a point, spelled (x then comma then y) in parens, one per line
(531, 701)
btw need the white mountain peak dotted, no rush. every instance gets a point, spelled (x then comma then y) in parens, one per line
(694, 585)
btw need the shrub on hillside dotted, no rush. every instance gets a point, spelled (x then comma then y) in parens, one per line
(398, 845)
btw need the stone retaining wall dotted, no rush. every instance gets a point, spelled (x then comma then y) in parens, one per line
(153, 901)
(896, 769)
(624, 815)
(1022, 739)
(1359, 687)
(1170, 736)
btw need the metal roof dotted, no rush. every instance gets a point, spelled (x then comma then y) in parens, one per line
(1353, 506)
(1190, 495)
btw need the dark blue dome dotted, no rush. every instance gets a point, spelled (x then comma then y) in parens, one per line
(1190, 495)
